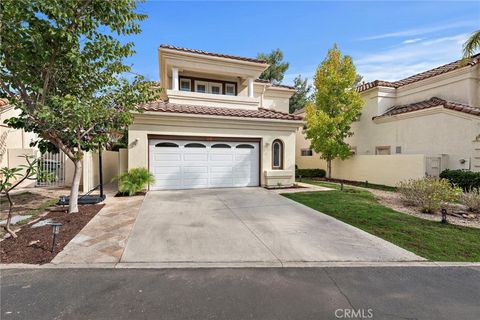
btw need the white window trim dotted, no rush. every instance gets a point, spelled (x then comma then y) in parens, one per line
(306, 155)
(204, 83)
(189, 84)
(280, 148)
(230, 85)
(215, 84)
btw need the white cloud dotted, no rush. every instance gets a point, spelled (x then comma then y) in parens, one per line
(408, 41)
(406, 60)
(420, 31)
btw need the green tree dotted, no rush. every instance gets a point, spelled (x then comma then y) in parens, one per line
(276, 71)
(302, 94)
(61, 66)
(337, 104)
(472, 45)
(11, 178)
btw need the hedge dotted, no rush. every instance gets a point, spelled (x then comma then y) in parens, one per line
(310, 173)
(464, 179)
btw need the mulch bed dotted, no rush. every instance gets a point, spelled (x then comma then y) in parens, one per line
(18, 251)
(124, 194)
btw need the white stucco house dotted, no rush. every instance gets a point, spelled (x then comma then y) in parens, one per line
(412, 127)
(218, 126)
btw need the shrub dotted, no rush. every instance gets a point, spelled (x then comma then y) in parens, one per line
(428, 193)
(133, 181)
(467, 180)
(471, 200)
(310, 173)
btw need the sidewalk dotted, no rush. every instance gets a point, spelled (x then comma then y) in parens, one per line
(104, 238)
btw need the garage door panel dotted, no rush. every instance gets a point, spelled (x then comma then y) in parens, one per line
(195, 157)
(195, 183)
(195, 164)
(199, 169)
(166, 156)
(221, 157)
(221, 182)
(167, 184)
(166, 170)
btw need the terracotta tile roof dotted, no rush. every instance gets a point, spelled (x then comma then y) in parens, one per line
(433, 102)
(167, 46)
(275, 85)
(421, 76)
(3, 102)
(162, 106)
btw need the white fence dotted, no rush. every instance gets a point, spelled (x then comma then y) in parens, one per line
(51, 170)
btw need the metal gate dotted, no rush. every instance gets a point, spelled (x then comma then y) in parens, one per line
(434, 165)
(51, 170)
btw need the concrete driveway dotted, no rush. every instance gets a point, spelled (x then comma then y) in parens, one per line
(245, 227)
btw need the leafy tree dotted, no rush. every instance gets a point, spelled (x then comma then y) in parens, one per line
(12, 178)
(337, 104)
(302, 94)
(61, 66)
(358, 80)
(276, 71)
(472, 45)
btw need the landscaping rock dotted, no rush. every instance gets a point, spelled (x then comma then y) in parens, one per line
(15, 219)
(42, 223)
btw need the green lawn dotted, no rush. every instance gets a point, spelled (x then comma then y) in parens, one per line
(429, 239)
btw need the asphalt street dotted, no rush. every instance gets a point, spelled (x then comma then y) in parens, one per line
(261, 293)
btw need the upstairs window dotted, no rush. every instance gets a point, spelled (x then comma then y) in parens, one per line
(230, 89)
(382, 150)
(201, 86)
(215, 88)
(185, 85)
(307, 152)
(277, 154)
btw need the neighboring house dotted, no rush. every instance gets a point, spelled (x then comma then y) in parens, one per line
(426, 123)
(13, 142)
(219, 126)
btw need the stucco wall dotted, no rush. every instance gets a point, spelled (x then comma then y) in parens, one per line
(386, 170)
(15, 158)
(91, 175)
(203, 126)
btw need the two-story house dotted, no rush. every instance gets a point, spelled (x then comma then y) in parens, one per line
(433, 115)
(219, 126)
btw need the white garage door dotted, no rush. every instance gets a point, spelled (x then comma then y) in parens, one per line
(179, 164)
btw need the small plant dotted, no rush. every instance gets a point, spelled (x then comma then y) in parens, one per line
(471, 200)
(12, 178)
(133, 181)
(428, 193)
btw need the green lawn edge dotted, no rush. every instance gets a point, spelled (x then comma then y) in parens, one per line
(429, 239)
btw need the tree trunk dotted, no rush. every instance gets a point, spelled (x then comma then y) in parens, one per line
(73, 202)
(329, 169)
(9, 217)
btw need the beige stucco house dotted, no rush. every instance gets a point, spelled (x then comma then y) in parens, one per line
(411, 127)
(218, 126)
(14, 143)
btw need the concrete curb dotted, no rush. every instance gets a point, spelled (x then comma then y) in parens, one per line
(205, 265)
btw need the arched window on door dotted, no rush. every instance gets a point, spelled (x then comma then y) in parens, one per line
(277, 154)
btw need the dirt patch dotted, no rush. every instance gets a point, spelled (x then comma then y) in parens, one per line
(394, 201)
(18, 250)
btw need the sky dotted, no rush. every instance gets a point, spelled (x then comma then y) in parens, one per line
(387, 40)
